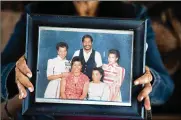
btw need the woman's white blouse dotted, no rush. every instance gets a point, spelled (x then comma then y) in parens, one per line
(55, 66)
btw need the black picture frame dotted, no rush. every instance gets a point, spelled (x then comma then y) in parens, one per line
(136, 110)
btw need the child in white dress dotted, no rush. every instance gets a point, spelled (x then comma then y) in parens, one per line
(98, 90)
(56, 69)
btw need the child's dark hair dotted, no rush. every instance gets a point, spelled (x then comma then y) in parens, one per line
(62, 44)
(101, 71)
(115, 52)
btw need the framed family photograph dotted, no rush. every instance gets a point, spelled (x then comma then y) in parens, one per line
(85, 66)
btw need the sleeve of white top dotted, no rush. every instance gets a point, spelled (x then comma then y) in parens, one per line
(106, 92)
(50, 67)
(98, 59)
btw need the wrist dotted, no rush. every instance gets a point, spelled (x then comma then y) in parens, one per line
(153, 77)
(14, 104)
(7, 111)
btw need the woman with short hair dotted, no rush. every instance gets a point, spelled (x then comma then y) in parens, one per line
(75, 84)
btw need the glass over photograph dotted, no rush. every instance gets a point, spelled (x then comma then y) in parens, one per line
(84, 66)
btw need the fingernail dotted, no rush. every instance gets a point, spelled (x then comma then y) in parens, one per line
(141, 98)
(136, 82)
(18, 86)
(29, 75)
(145, 81)
(19, 96)
(22, 94)
(30, 89)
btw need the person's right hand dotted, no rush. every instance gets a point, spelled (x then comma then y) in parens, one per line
(23, 74)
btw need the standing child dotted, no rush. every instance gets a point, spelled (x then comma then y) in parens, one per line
(56, 69)
(114, 75)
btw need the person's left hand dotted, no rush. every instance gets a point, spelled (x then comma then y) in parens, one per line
(144, 94)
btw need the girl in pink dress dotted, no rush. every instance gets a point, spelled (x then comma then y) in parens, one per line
(113, 75)
(75, 84)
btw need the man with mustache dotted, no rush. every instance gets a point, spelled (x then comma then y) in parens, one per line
(90, 58)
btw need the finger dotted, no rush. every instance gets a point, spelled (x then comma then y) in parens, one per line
(147, 69)
(25, 70)
(145, 92)
(20, 61)
(22, 66)
(24, 80)
(147, 103)
(21, 89)
(146, 78)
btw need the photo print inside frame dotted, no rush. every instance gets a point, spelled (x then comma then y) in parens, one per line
(110, 51)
